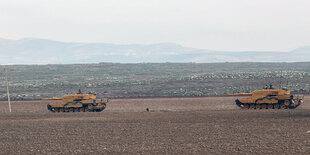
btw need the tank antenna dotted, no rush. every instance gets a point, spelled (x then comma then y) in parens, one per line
(7, 88)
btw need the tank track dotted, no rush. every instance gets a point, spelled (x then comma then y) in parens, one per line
(279, 105)
(70, 109)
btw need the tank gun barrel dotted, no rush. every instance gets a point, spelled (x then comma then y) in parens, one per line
(54, 98)
(240, 94)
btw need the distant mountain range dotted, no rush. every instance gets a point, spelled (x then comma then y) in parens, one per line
(42, 51)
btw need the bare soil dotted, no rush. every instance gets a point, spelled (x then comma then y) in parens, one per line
(210, 125)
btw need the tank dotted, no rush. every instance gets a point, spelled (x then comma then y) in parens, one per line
(80, 102)
(269, 98)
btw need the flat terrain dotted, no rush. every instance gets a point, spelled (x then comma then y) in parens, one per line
(207, 125)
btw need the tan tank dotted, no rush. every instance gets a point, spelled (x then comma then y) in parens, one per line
(269, 98)
(79, 102)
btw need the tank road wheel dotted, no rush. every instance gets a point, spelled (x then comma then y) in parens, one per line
(252, 106)
(85, 109)
(259, 106)
(263, 106)
(270, 106)
(282, 106)
(256, 106)
(276, 106)
(246, 106)
(90, 108)
(287, 103)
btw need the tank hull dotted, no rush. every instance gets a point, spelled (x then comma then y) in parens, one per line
(274, 102)
(92, 105)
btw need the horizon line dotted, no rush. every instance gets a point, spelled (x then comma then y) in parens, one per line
(155, 43)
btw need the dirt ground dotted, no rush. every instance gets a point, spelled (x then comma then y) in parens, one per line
(211, 125)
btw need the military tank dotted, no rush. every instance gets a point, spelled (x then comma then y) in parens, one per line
(80, 102)
(269, 98)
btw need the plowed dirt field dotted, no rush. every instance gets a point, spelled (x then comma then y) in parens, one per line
(210, 125)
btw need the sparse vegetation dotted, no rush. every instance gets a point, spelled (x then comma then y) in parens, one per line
(152, 79)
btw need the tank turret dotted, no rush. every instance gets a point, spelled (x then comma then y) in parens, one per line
(73, 97)
(269, 98)
(80, 102)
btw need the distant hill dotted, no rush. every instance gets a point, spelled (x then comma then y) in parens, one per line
(42, 51)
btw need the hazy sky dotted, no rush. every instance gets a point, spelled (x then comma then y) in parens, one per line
(210, 24)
